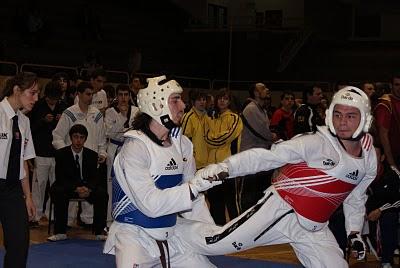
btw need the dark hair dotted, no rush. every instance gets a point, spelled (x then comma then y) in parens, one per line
(309, 91)
(141, 122)
(122, 87)
(366, 82)
(220, 93)
(59, 75)
(98, 72)
(53, 90)
(110, 90)
(78, 128)
(70, 91)
(251, 91)
(382, 88)
(340, 83)
(83, 86)
(24, 80)
(135, 76)
(287, 93)
(196, 94)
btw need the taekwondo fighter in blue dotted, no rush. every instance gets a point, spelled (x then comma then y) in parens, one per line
(154, 184)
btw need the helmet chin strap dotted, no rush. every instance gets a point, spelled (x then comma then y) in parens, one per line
(348, 139)
(359, 137)
(167, 122)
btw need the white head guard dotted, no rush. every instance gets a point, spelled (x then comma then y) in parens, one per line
(153, 100)
(354, 97)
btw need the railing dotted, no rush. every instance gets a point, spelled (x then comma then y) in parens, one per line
(47, 71)
(184, 81)
(248, 23)
(114, 77)
(273, 85)
(8, 68)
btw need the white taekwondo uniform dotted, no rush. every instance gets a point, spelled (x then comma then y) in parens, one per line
(92, 120)
(315, 177)
(99, 100)
(149, 191)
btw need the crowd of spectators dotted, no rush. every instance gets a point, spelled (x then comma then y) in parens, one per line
(217, 130)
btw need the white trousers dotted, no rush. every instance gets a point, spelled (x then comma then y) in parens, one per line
(135, 248)
(269, 222)
(44, 170)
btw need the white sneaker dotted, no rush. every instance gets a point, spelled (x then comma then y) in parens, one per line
(386, 265)
(57, 237)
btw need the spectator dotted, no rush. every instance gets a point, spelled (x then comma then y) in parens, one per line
(135, 86)
(387, 114)
(193, 127)
(110, 92)
(223, 139)
(99, 99)
(44, 118)
(118, 120)
(88, 115)
(255, 134)
(282, 119)
(210, 105)
(384, 190)
(306, 117)
(76, 177)
(63, 79)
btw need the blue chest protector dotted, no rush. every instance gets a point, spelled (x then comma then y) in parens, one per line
(125, 211)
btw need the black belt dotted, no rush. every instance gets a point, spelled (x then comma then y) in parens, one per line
(116, 142)
(165, 263)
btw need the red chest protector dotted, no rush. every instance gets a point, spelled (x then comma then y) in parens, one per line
(312, 193)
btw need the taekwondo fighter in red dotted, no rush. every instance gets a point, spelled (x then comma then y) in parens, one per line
(317, 172)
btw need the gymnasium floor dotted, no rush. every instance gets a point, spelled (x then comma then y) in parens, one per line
(279, 253)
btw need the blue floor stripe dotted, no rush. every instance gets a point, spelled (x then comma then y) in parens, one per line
(87, 253)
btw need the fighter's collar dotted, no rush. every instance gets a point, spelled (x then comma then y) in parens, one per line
(341, 143)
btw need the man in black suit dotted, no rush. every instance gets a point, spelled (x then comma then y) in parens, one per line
(77, 177)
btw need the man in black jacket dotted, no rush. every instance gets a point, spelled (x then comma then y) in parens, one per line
(76, 177)
(306, 117)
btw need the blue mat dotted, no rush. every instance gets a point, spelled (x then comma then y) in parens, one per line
(87, 253)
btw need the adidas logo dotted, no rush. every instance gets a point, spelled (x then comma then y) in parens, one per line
(353, 175)
(172, 165)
